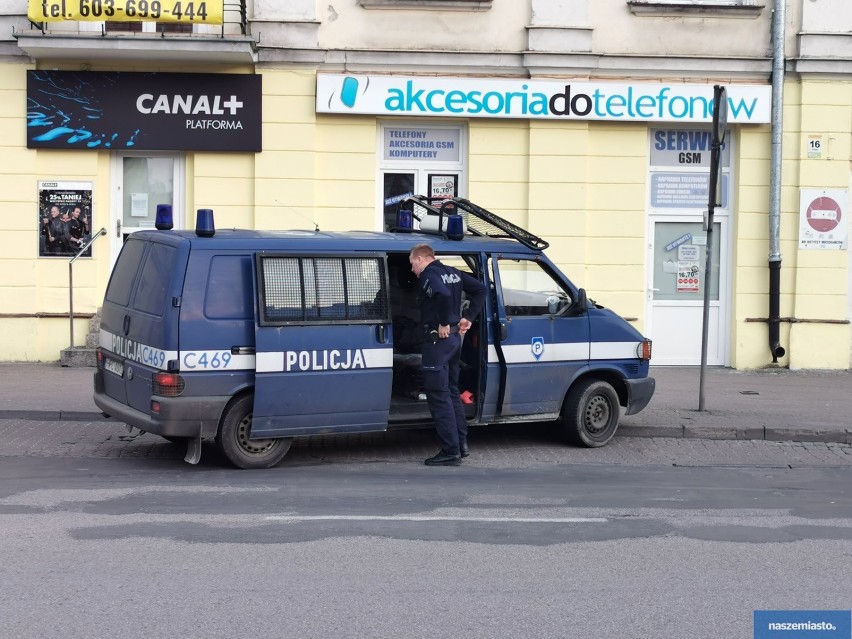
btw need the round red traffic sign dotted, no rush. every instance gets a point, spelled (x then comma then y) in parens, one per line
(823, 214)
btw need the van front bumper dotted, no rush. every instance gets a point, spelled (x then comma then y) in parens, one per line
(639, 393)
(178, 416)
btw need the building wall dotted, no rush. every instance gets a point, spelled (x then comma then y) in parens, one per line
(820, 337)
(582, 185)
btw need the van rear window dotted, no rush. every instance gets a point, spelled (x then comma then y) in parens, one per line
(154, 282)
(121, 283)
(323, 289)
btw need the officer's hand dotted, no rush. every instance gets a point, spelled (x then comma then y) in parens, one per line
(464, 325)
(444, 331)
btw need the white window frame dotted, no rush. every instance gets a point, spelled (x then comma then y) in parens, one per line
(422, 168)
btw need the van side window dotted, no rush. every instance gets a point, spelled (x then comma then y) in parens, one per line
(156, 276)
(323, 289)
(124, 272)
(229, 290)
(529, 290)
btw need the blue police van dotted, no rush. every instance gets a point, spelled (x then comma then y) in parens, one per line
(253, 338)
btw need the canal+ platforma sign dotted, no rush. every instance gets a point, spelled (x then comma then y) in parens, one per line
(534, 99)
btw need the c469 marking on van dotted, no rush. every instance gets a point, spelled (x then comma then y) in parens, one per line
(221, 360)
(135, 351)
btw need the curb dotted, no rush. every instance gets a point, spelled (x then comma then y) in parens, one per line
(55, 415)
(758, 433)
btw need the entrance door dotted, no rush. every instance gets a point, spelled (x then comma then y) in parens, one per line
(677, 260)
(398, 185)
(142, 182)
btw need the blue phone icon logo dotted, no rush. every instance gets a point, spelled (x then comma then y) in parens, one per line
(349, 92)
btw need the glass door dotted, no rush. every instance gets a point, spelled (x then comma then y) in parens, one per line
(677, 258)
(143, 182)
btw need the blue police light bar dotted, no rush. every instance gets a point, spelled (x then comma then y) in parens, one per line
(204, 226)
(164, 221)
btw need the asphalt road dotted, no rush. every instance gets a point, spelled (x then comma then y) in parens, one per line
(356, 538)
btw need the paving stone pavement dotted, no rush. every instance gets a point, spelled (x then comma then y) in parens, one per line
(44, 402)
(492, 447)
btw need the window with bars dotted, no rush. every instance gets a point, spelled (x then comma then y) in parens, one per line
(152, 27)
(300, 290)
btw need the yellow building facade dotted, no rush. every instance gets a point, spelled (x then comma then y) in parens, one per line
(598, 190)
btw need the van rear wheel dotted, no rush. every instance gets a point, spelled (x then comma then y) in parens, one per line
(242, 451)
(590, 414)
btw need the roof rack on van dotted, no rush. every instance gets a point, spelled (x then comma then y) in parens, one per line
(479, 221)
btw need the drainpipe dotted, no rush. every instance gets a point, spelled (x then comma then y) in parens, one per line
(778, 62)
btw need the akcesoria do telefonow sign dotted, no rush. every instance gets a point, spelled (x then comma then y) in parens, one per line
(536, 99)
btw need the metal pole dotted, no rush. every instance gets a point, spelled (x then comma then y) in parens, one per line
(720, 121)
(71, 279)
(708, 272)
(71, 298)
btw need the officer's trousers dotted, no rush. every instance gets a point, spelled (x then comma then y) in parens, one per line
(441, 383)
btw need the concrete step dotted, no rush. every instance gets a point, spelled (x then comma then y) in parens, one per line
(78, 357)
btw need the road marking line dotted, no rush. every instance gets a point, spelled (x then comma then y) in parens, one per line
(512, 520)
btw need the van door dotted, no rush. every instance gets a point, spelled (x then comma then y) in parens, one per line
(324, 352)
(543, 346)
(139, 321)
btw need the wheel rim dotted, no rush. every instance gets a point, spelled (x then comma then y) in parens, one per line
(597, 415)
(251, 446)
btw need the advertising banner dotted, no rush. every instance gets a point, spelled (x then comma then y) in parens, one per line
(184, 11)
(143, 111)
(64, 218)
(527, 99)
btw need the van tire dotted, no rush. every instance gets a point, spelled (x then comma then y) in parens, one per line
(232, 438)
(590, 413)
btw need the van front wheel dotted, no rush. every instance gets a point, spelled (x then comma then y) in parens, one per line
(590, 414)
(242, 451)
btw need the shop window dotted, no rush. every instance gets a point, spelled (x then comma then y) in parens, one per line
(417, 158)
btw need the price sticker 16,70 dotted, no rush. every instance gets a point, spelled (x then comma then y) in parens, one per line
(186, 11)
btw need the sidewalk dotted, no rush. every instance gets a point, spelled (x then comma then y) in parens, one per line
(771, 404)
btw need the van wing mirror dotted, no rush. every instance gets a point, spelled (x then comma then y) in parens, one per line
(579, 306)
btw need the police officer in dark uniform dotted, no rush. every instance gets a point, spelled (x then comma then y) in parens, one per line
(440, 297)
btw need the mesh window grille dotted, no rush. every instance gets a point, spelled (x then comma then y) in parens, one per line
(327, 289)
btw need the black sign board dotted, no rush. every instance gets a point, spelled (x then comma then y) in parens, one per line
(143, 111)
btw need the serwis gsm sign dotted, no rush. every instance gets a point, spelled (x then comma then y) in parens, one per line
(185, 11)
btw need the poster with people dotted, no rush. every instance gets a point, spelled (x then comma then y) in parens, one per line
(65, 218)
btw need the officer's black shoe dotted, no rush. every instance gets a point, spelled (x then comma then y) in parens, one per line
(464, 450)
(443, 459)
